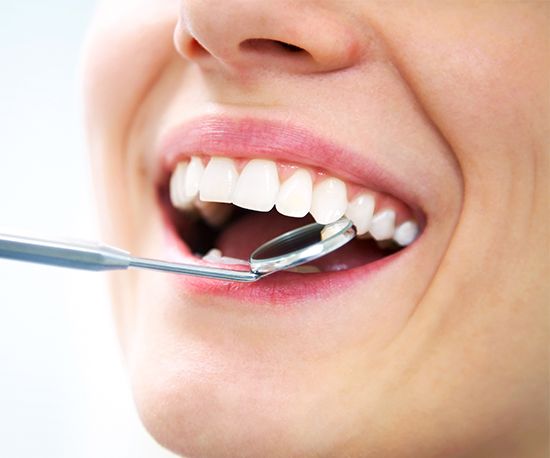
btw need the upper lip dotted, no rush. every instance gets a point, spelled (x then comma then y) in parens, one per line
(247, 137)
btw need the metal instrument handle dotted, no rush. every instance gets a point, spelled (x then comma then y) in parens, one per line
(75, 255)
(99, 257)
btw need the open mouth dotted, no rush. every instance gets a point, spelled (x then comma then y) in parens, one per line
(227, 185)
(222, 208)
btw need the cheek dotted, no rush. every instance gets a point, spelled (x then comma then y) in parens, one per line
(478, 75)
(126, 51)
(121, 63)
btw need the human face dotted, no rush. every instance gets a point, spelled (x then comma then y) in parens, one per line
(437, 109)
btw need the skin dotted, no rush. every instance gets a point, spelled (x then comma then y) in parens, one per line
(448, 355)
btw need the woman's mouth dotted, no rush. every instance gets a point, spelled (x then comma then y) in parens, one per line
(220, 203)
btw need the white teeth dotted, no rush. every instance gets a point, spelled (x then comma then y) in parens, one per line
(184, 183)
(360, 211)
(178, 196)
(195, 170)
(329, 201)
(219, 180)
(294, 198)
(233, 261)
(257, 186)
(406, 233)
(330, 230)
(214, 255)
(383, 225)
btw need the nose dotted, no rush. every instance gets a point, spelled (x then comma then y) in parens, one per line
(293, 36)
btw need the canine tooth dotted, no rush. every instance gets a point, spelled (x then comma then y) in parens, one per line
(383, 225)
(294, 198)
(178, 196)
(214, 213)
(218, 181)
(360, 211)
(406, 233)
(329, 201)
(257, 186)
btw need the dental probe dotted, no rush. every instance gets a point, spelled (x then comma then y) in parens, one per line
(288, 250)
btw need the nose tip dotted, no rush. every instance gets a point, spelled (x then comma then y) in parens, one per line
(246, 35)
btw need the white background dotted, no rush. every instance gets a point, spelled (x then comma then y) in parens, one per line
(63, 391)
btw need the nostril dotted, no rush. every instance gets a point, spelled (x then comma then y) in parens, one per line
(267, 46)
(288, 46)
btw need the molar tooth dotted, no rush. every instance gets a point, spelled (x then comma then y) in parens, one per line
(294, 198)
(406, 233)
(218, 181)
(329, 201)
(257, 186)
(360, 211)
(214, 213)
(383, 225)
(178, 196)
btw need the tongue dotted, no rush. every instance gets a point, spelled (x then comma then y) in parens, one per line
(253, 229)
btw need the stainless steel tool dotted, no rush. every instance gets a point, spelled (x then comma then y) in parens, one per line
(286, 251)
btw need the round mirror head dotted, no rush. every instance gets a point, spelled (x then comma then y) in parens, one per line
(301, 246)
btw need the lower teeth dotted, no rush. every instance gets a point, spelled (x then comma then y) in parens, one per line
(215, 256)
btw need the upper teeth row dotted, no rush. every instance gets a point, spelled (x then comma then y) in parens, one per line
(258, 188)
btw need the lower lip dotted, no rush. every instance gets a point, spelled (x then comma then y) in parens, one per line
(279, 289)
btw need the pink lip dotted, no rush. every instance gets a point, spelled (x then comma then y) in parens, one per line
(279, 289)
(252, 138)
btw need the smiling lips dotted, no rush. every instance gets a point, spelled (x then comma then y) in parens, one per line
(230, 185)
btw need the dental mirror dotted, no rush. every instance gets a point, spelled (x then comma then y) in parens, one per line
(286, 251)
